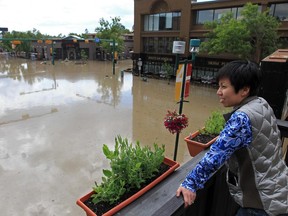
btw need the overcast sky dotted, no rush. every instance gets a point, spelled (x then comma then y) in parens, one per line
(55, 17)
(62, 16)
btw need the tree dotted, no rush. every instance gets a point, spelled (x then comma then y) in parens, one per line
(84, 56)
(25, 43)
(113, 30)
(253, 36)
(167, 71)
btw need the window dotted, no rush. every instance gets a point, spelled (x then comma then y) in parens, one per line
(161, 45)
(280, 11)
(150, 23)
(168, 21)
(162, 21)
(238, 15)
(204, 16)
(220, 12)
(146, 23)
(155, 22)
(151, 45)
(176, 20)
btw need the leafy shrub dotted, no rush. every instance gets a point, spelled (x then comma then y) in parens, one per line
(214, 124)
(130, 165)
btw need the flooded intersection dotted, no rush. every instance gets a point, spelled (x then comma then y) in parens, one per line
(54, 121)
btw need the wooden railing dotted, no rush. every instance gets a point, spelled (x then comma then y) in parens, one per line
(213, 200)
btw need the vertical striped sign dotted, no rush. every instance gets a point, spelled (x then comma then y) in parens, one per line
(179, 79)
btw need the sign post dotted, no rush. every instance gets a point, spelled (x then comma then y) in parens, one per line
(113, 44)
(179, 48)
(181, 91)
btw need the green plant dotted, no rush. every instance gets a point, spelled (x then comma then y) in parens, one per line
(84, 56)
(131, 165)
(214, 124)
(167, 71)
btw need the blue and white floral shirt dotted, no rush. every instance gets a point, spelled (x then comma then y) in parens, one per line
(236, 134)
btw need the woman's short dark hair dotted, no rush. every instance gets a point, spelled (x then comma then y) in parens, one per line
(241, 73)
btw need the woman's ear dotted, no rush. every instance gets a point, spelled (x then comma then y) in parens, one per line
(245, 91)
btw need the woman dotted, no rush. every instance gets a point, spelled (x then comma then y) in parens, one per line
(249, 145)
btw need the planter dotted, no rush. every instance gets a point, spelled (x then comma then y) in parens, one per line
(172, 164)
(195, 147)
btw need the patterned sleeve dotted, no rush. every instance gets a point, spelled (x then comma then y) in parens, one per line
(236, 134)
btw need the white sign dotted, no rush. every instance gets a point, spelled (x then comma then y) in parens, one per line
(178, 47)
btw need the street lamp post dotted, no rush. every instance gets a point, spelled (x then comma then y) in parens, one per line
(113, 44)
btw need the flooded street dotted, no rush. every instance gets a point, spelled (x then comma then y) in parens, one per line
(54, 120)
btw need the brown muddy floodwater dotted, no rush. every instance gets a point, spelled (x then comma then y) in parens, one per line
(54, 121)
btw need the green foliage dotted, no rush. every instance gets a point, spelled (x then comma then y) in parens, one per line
(111, 30)
(168, 69)
(229, 35)
(84, 56)
(214, 124)
(131, 165)
(25, 45)
(253, 36)
(263, 30)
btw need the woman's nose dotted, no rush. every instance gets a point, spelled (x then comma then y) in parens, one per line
(219, 92)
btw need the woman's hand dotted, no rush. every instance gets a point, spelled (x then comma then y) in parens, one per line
(188, 196)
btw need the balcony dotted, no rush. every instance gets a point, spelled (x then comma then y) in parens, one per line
(212, 200)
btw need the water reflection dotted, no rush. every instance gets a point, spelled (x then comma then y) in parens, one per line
(25, 86)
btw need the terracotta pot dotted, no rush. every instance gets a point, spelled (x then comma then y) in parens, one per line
(173, 165)
(195, 147)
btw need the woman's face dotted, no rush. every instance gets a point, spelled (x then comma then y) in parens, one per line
(227, 95)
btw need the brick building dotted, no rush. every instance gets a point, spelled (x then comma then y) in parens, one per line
(157, 23)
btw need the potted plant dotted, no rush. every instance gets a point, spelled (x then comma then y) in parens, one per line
(134, 170)
(175, 122)
(203, 138)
